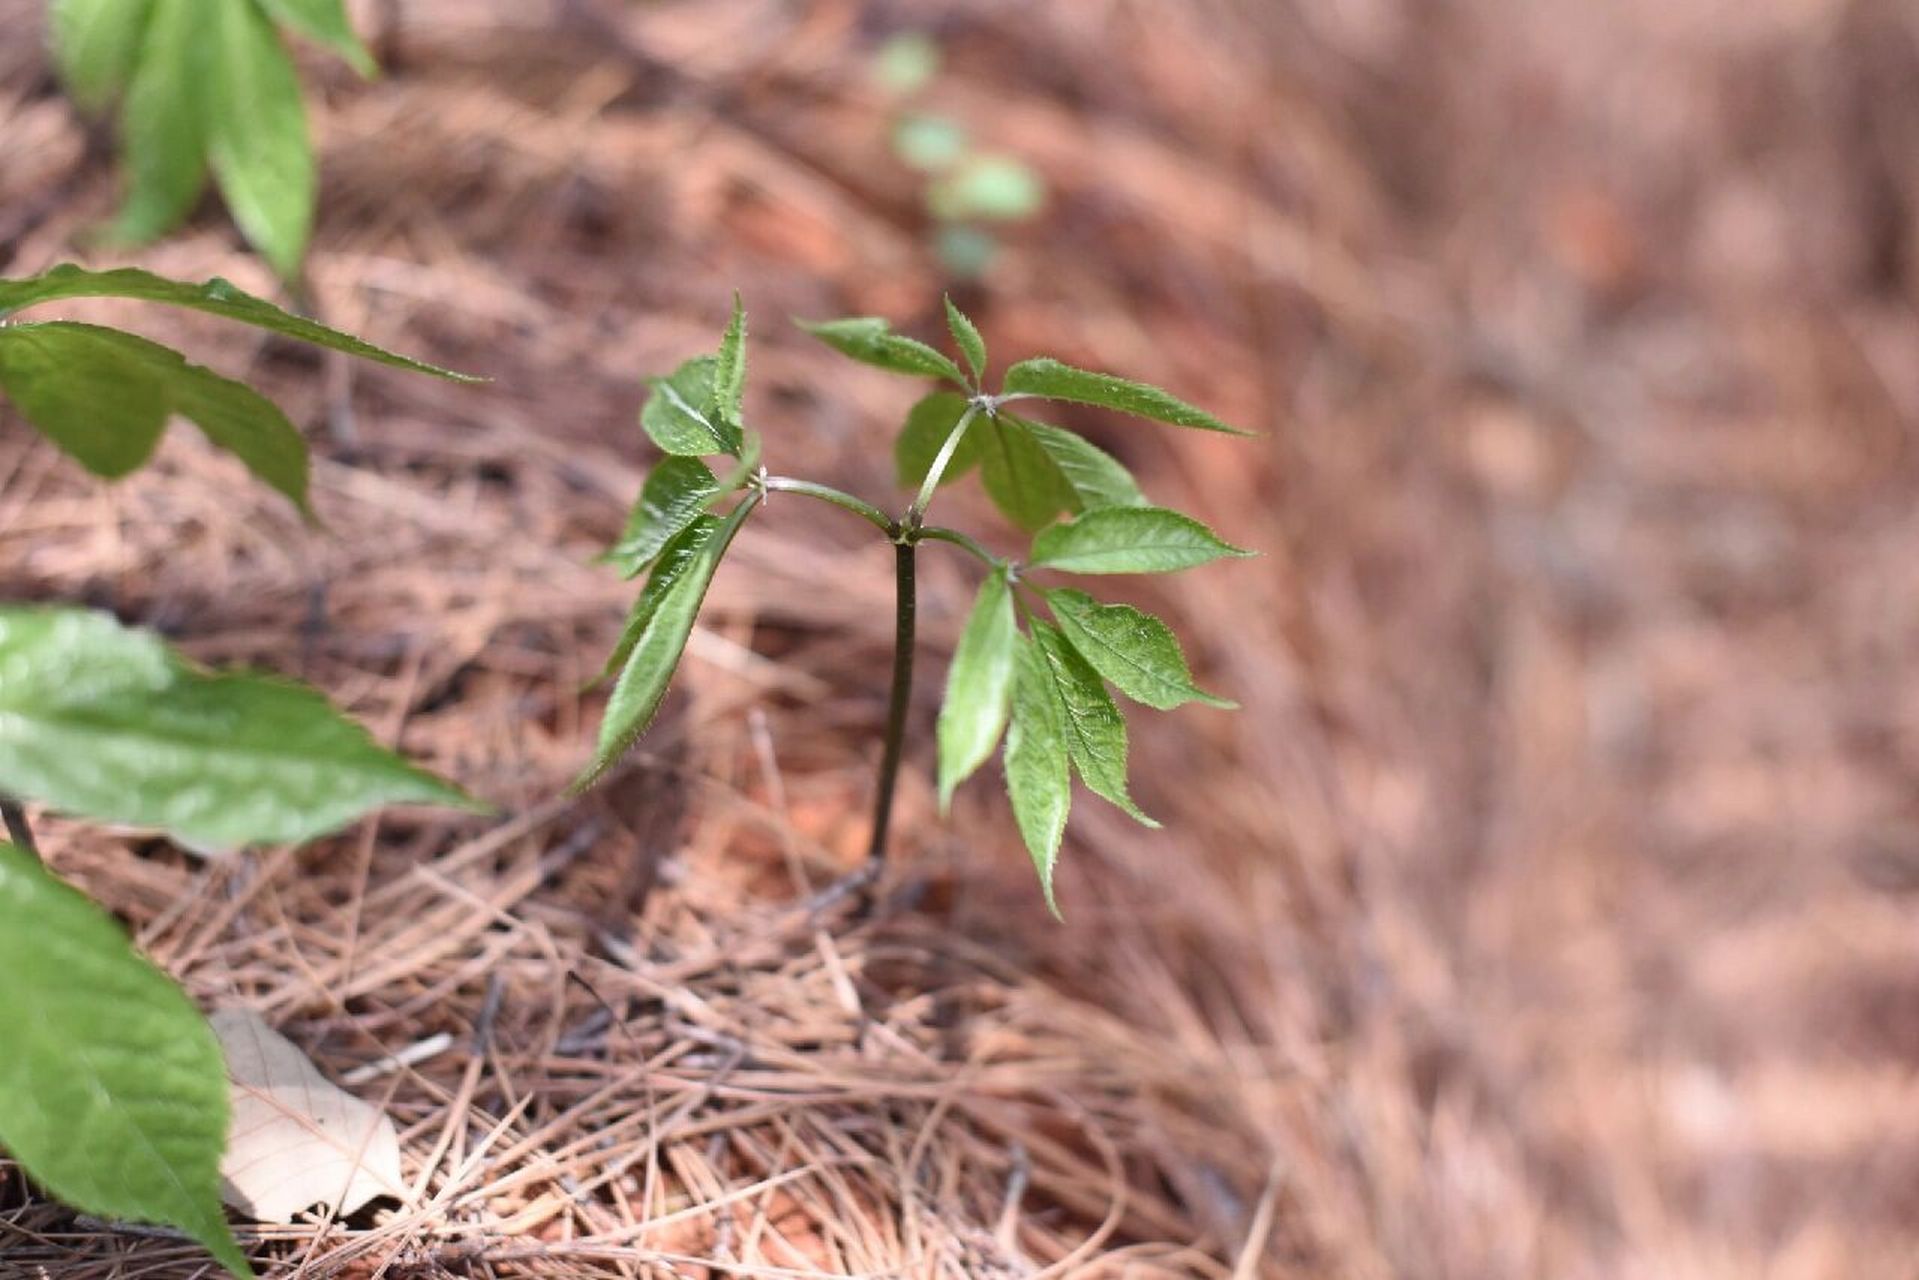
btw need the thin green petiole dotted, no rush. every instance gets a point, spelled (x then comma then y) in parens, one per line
(936, 533)
(826, 493)
(933, 473)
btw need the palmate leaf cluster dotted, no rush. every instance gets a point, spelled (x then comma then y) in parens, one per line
(205, 86)
(1032, 671)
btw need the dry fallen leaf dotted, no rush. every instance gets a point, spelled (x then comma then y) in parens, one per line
(298, 1140)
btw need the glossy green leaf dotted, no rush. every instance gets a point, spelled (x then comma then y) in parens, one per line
(1037, 777)
(729, 371)
(256, 130)
(113, 1094)
(656, 644)
(979, 686)
(1129, 540)
(325, 22)
(216, 297)
(103, 396)
(105, 722)
(1095, 729)
(966, 337)
(1134, 650)
(163, 124)
(94, 43)
(871, 340)
(928, 425)
(673, 497)
(678, 412)
(1019, 476)
(1049, 379)
(1096, 477)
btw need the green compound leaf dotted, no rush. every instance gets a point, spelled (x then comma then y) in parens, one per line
(1049, 379)
(216, 297)
(966, 338)
(256, 132)
(1134, 650)
(729, 371)
(325, 23)
(920, 440)
(1095, 476)
(113, 1094)
(106, 722)
(656, 637)
(1129, 540)
(678, 413)
(870, 340)
(104, 396)
(1019, 475)
(94, 43)
(673, 497)
(1095, 729)
(978, 686)
(1038, 780)
(163, 124)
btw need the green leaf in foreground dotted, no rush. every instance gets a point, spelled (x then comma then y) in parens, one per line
(256, 133)
(928, 425)
(1049, 379)
(870, 340)
(1095, 729)
(656, 637)
(1038, 780)
(216, 297)
(94, 42)
(1019, 476)
(104, 397)
(1134, 650)
(106, 722)
(966, 338)
(113, 1094)
(679, 416)
(1096, 477)
(1129, 540)
(673, 497)
(325, 22)
(978, 686)
(729, 370)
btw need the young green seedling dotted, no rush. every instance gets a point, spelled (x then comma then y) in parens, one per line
(1042, 691)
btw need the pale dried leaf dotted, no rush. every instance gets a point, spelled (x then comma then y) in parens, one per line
(298, 1140)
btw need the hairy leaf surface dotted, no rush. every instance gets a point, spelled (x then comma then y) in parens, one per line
(1134, 650)
(1095, 729)
(104, 721)
(928, 425)
(675, 494)
(1052, 380)
(679, 412)
(729, 371)
(978, 686)
(966, 337)
(1129, 540)
(1038, 780)
(112, 1092)
(870, 340)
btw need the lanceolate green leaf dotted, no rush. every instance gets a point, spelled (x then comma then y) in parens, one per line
(1129, 540)
(672, 564)
(729, 371)
(1095, 476)
(966, 338)
(216, 297)
(103, 396)
(94, 42)
(871, 340)
(1051, 380)
(978, 686)
(927, 426)
(1019, 476)
(325, 22)
(256, 133)
(1095, 729)
(113, 1094)
(1134, 650)
(672, 498)
(678, 413)
(163, 124)
(1037, 777)
(103, 721)
(655, 651)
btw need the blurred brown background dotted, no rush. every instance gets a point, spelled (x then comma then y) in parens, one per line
(1549, 908)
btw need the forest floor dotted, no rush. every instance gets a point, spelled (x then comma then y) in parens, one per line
(1547, 911)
